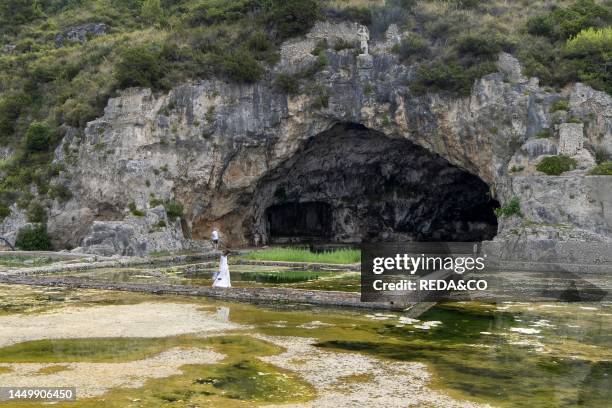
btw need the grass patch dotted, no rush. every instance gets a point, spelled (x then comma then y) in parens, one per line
(19, 261)
(603, 169)
(340, 256)
(280, 277)
(556, 165)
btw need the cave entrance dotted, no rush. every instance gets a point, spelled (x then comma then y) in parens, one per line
(300, 222)
(351, 184)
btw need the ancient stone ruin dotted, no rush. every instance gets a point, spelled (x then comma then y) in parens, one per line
(571, 138)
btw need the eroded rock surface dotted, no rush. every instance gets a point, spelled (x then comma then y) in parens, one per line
(210, 144)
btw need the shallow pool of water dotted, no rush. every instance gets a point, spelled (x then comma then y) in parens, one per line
(509, 354)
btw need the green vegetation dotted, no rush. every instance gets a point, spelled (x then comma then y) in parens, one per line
(135, 211)
(511, 208)
(5, 211)
(33, 238)
(560, 105)
(174, 209)
(149, 43)
(603, 169)
(556, 165)
(280, 277)
(240, 378)
(340, 256)
(288, 84)
(36, 213)
(544, 134)
(569, 44)
(21, 261)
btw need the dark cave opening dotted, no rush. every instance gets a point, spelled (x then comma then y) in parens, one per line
(309, 221)
(351, 184)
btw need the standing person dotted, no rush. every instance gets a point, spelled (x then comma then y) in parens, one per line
(222, 279)
(215, 238)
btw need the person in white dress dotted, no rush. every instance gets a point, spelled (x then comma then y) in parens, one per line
(222, 278)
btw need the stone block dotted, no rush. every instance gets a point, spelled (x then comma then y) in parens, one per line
(571, 138)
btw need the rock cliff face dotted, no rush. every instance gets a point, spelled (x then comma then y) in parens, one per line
(231, 153)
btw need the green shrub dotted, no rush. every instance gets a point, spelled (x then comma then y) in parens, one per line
(543, 134)
(601, 156)
(61, 192)
(413, 46)
(5, 211)
(320, 101)
(174, 209)
(36, 213)
(240, 66)
(217, 11)
(259, 42)
(140, 67)
(294, 17)
(14, 13)
(161, 224)
(361, 15)
(512, 207)
(565, 22)
(33, 238)
(540, 25)
(450, 76)
(154, 202)
(11, 107)
(152, 11)
(556, 165)
(342, 44)
(478, 46)
(38, 137)
(603, 169)
(560, 105)
(590, 54)
(288, 84)
(135, 211)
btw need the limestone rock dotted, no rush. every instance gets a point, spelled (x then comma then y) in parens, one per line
(10, 226)
(134, 236)
(211, 145)
(81, 33)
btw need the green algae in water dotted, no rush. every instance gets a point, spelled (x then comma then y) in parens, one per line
(568, 366)
(488, 368)
(240, 380)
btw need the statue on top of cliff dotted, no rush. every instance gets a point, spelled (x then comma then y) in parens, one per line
(364, 37)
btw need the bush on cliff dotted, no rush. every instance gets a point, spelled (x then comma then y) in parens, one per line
(33, 238)
(590, 55)
(511, 208)
(603, 169)
(38, 137)
(556, 165)
(139, 66)
(174, 209)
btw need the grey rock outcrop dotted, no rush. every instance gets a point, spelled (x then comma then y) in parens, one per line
(10, 226)
(134, 236)
(81, 33)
